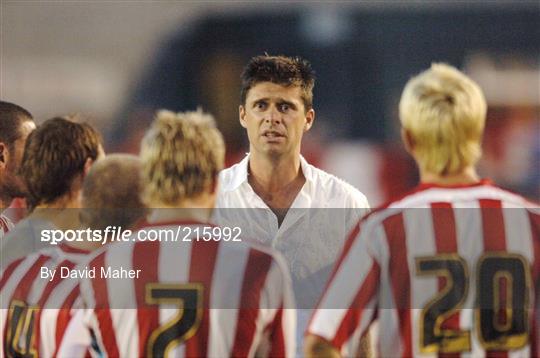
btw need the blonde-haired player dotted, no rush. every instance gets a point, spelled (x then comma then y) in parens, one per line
(199, 295)
(452, 266)
(442, 114)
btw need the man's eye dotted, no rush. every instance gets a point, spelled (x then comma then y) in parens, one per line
(260, 105)
(284, 107)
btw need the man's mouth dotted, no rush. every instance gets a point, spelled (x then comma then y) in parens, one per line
(272, 134)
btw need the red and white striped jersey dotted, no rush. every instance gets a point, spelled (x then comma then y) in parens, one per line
(5, 225)
(25, 289)
(189, 298)
(443, 270)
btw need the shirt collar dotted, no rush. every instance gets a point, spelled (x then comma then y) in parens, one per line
(241, 175)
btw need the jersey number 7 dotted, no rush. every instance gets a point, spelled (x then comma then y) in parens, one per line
(184, 324)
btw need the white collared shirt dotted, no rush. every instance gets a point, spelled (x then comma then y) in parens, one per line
(310, 237)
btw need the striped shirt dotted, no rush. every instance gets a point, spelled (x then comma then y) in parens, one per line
(444, 270)
(5, 225)
(25, 289)
(189, 298)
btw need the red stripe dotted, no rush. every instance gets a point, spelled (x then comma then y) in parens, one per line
(203, 261)
(23, 288)
(64, 316)
(255, 273)
(102, 310)
(493, 225)
(45, 295)
(400, 277)
(146, 259)
(354, 314)
(444, 227)
(9, 271)
(4, 224)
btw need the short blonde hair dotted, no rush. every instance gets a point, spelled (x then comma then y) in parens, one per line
(181, 155)
(444, 111)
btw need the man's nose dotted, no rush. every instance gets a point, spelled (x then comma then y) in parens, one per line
(273, 116)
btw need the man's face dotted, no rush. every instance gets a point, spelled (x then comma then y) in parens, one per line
(12, 185)
(275, 118)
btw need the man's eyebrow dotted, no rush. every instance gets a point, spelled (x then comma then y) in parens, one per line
(283, 101)
(257, 100)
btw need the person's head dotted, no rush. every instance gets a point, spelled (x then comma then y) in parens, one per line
(277, 103)
(111, 193)
(16, 123)
(442, 114)
(181, 155)
(56, 158)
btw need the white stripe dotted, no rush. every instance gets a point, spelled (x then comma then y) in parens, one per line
(351, 346)
(420, 241)
(225, 298)
(519, 240)
(121, 294)
(470, 246)
(173, 267)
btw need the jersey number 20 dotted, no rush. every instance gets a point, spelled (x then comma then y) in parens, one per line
(502, 286)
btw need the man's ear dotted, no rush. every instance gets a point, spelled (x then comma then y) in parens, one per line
(242, 116)
(310, 117)
(4, 155)
(87, 165)
(408, 140)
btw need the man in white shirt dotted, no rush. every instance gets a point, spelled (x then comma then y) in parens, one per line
(268, 193)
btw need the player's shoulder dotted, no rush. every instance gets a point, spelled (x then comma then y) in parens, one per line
(336, 190)
(481, 194)
(257, 256)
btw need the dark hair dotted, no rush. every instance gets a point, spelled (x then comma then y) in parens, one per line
(281, 70)
(54, 154)
(12, 117)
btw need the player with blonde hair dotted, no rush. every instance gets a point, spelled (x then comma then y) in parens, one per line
(442, 115)
(452, 267)
(196, 296)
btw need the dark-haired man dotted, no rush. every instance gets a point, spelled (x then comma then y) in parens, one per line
(16, 123)
(57, 156)
(276, 183)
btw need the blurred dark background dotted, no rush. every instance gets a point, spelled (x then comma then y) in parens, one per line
(363, 55)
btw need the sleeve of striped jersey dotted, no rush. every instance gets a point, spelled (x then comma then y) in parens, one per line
(281, 325)
(348, 304)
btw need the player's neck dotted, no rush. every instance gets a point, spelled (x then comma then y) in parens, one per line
(197, 209)
(61, 217)
(467, 176)
(273, 174)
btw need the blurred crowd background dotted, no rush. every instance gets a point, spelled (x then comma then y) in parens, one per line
(119, 61)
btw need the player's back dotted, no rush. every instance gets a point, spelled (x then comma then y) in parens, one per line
(458, 269)
(184, 295)
(26, 285)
